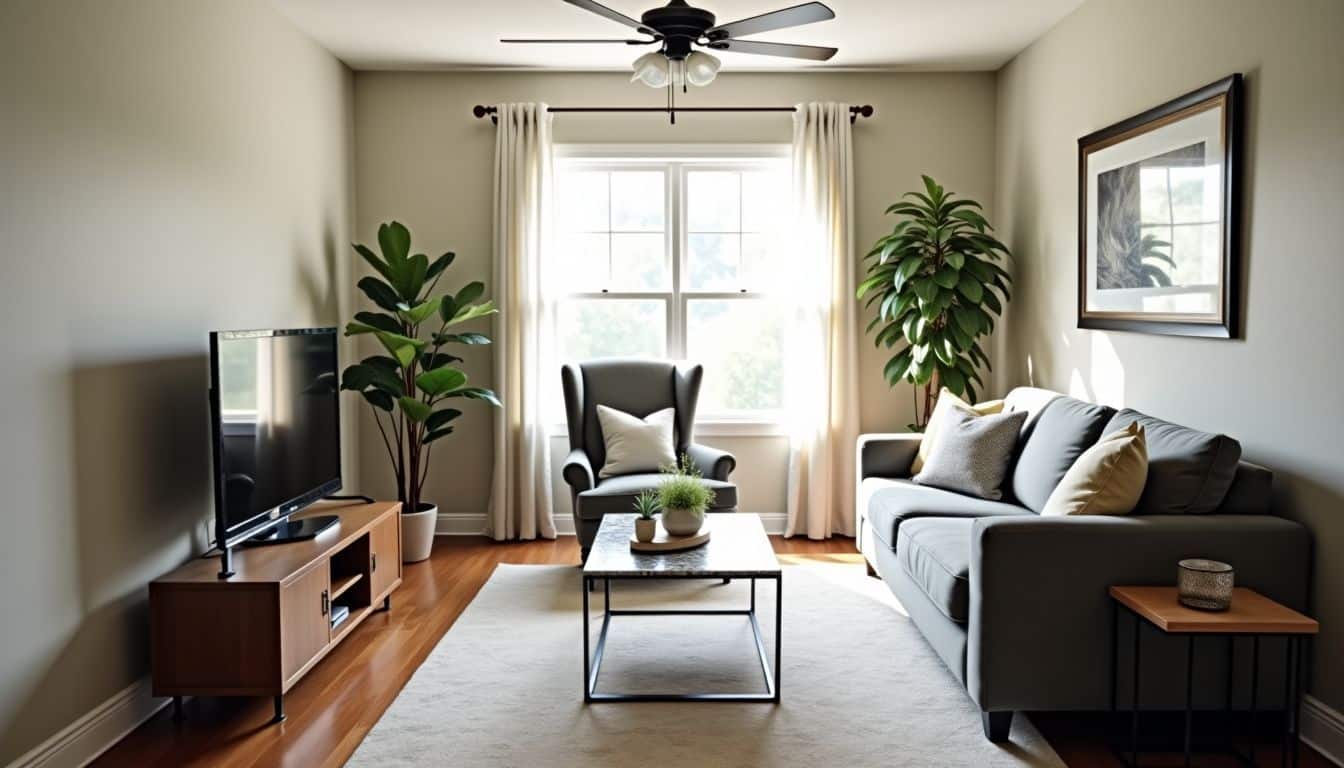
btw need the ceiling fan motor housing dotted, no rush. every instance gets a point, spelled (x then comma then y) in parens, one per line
(680, 25)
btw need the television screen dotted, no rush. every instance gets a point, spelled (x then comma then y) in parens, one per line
(277, 425)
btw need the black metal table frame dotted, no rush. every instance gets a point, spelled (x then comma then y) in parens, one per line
(1289, 751)
(592, 662)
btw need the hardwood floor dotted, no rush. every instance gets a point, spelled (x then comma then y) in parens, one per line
(332, 709)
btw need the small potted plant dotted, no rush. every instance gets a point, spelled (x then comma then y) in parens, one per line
(683, 498)
(646, 525)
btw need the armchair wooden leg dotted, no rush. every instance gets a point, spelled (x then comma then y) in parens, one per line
(997, 725)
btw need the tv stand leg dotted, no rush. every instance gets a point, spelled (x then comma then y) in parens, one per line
(279, 709)
(387, 603)
(177, 709)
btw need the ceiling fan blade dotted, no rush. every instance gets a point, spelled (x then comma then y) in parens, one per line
(798, 15)
(616, 16)
(549, 41)
(789, 50)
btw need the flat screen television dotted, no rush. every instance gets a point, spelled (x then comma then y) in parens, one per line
(274, 402)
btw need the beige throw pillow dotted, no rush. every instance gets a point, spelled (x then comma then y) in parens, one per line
(635, 444)
(1107, 479)
(946, 402)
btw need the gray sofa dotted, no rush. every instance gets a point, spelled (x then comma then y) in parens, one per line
(1016, 604)
(638, 387)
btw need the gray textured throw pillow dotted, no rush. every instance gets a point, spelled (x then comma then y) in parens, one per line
(972, 453)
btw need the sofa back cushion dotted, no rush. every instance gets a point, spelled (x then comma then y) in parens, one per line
(1189, 472)
(1064, 429)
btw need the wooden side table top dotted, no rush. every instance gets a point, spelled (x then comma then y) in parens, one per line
(1251, 613)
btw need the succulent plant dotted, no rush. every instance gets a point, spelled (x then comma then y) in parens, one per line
(646, 505)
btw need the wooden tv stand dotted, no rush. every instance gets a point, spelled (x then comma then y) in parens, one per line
(259, 631)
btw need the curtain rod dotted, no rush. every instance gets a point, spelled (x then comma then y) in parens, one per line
(855, 113)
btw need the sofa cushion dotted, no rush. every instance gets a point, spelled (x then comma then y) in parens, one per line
(946, 403)
(616, 495)
(935, 554)
(1065, 428)
(972, 452)
(893, 502)
(1189, 472)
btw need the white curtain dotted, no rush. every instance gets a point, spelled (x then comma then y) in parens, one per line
(520, 497)
(822, 367)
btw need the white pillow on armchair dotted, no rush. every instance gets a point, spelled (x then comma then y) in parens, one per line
(634, 444)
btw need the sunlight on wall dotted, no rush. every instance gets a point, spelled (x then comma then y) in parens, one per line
(1108, 374)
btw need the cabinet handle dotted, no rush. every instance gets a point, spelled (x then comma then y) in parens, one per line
(373, 562)
(326, 602)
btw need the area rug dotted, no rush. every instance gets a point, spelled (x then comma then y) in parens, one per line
(860, 686)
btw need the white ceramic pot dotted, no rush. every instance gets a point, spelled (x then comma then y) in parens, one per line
(645, 529)
(682, 522)
(417, 533)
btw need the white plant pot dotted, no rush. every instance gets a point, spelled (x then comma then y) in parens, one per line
(645, 530)
(682, 522)
(417, 533)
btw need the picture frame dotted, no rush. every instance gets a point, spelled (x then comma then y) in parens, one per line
(1159, 217)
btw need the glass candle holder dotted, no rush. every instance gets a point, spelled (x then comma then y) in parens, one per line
(1204, 584)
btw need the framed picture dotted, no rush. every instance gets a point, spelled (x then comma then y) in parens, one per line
(1158, 218)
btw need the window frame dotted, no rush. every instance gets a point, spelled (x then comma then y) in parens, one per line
(676, 161)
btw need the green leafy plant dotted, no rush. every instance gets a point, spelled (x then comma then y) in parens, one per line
(682, 488)
(646, 505)
(408, 387)
(933, 280)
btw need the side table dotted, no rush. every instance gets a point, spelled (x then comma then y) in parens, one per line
(1251, 615)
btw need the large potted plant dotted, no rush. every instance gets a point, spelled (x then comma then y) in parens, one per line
(933, 280)
(408, 388)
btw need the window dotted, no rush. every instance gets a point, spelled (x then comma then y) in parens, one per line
(666, 255)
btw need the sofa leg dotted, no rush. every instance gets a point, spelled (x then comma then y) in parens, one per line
(997, 725)
(871, 570)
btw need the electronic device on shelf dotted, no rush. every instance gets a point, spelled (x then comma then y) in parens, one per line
(275, 413)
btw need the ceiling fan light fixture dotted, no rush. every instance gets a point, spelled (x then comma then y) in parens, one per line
(652, 69)
(701, 68)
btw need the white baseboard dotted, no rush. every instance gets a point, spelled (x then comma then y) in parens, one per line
(1323, 729)
(80, 742)
(473, 524)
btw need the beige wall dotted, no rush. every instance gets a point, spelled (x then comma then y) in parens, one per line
(166, 168)
(1276, 388)
(422, 158)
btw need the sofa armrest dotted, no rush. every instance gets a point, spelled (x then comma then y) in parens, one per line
(887, 454)
(712, 462)
(1041, 630)
(578, 471)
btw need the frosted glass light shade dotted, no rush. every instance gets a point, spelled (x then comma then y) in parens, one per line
(701, 68)
(652, 70)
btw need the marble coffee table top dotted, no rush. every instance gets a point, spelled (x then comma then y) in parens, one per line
(737, 548)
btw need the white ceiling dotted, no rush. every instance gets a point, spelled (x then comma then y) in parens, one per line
(871, 34)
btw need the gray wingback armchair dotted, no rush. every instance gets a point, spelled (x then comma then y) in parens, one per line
(638, 387)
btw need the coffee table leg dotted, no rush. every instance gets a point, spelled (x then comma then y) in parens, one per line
(779, 629)
(1134, 716)
(1189, 690)
(587, 660)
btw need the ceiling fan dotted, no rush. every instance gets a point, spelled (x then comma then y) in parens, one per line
(678, 28)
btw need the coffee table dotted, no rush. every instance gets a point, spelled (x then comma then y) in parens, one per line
(738, 549)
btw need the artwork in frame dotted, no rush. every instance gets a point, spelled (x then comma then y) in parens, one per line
(1158, 217)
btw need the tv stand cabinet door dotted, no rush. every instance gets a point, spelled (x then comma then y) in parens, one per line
(385, 554)
(305, 626)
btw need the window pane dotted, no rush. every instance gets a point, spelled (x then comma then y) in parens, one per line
(764, 263)
(1187, 194)
(766, 200)
(637, 201)
(712, 262)
(592, 328)
(713, 200)
(1154, 203)
(740, 342)
(638, 263)
(583, 203)
(584, 264)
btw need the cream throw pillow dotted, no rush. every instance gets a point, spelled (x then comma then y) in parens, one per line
(635, 444)
(1107, 479)
(946, 402)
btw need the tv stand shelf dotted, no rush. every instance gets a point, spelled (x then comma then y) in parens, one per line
(259, 631)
